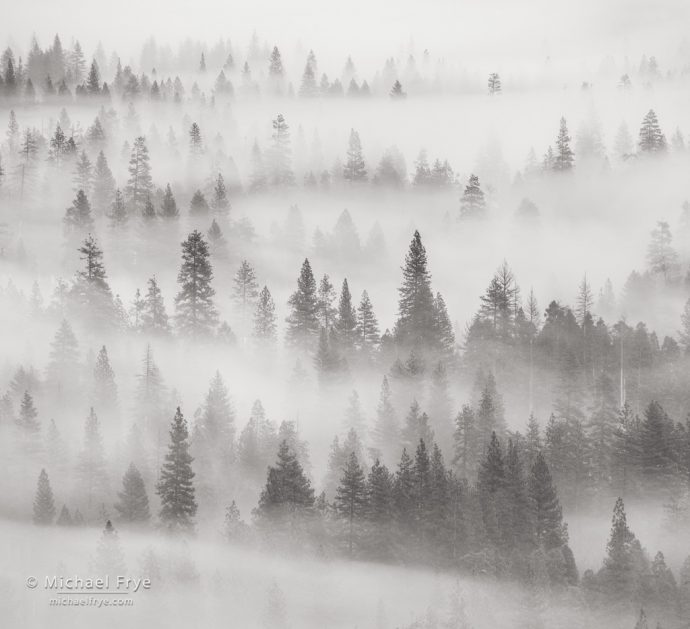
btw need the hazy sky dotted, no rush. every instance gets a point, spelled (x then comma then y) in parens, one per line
(499, 29)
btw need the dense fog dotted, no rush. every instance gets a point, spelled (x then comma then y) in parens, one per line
(349, 318)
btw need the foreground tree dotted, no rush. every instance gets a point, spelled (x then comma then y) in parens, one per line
(195, 313)
(175, 486)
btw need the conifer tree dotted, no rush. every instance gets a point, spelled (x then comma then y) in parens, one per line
(105, 389)
(620, 576)
(494, 84)
(564, 158)
(198, 206)
(472, 203)
(326, 298)
(302, 322)
(651, 139)
(265, 329)
(133, 504)
(350, 497)
(139, 185)
(103, 185)
(355, 168)
(415, 322)
(221, 204)
(168, 205)
(77, 218)
(288, 490)
(195, 312)
(44, 505)
(196, 146)
(404, 491)
(367, 328)
(548, 518)
(28, 425)
(65, 518)
(346, 321)
(154, 319)
(118, 214)
(465, 442)
(280, 164)
(175, 485)
(83, 176)
(245, 289)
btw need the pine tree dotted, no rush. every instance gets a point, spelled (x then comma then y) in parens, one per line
(83, 175)
(564, 158)
(245, 289)
(472, 203)
(303, 325)
(288, 490)
(103, 185)
(622, 550)
(280, 167)
(367, 329)
(196, 146)
(105, 389)
(548, 517)
(397, 92)
(308, 88)
(221, 204)
(65, 518)
(77, 218)
(465, 443)
(326, 298)
(265, 329)
(175, 486)
(661, 256)
(346, 321)
(684, 333)
(656, 457)
(133, 504)
(118, 214)
(28, 425)
(168, 205)
(404, 491)
(198, 206)
(651, 139)
(139, 185)
(195, 312)
(350, 497)
(154, 319)
(415, 324)
(494, 84)
(355, 168)
(93, 82)
(44, 505)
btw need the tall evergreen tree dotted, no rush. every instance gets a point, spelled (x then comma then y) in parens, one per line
(44, 505)
(78, 220)
(351, 498)
(302, 322)
(651, 139)
(265, 329)
(472, 203)
(133, 504)
(564, 158)
(175, 485)
(355, 169)
(551, 532)
(139, 185)
(195, 312)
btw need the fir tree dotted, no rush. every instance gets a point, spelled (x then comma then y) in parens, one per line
(103, 185)
(472, 203)
(245, 289)
(77, 218)
(221, 204)
(175, 485)
(195, 312)
(346, 321)
(154, 319)
(548, 518)
(287, 489)
(280, 167)
(133, 504)
(651, 139)
(139, 185)
(367, 329)
(620, 576)
(168, 205)
(355, 168)
(564, 158)
(44, 505)
(105, 389)
(303, 324)
(350, 497)
(326, 298)
(386, 428)
(415, 324)
(265, 329)
(198, 206)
